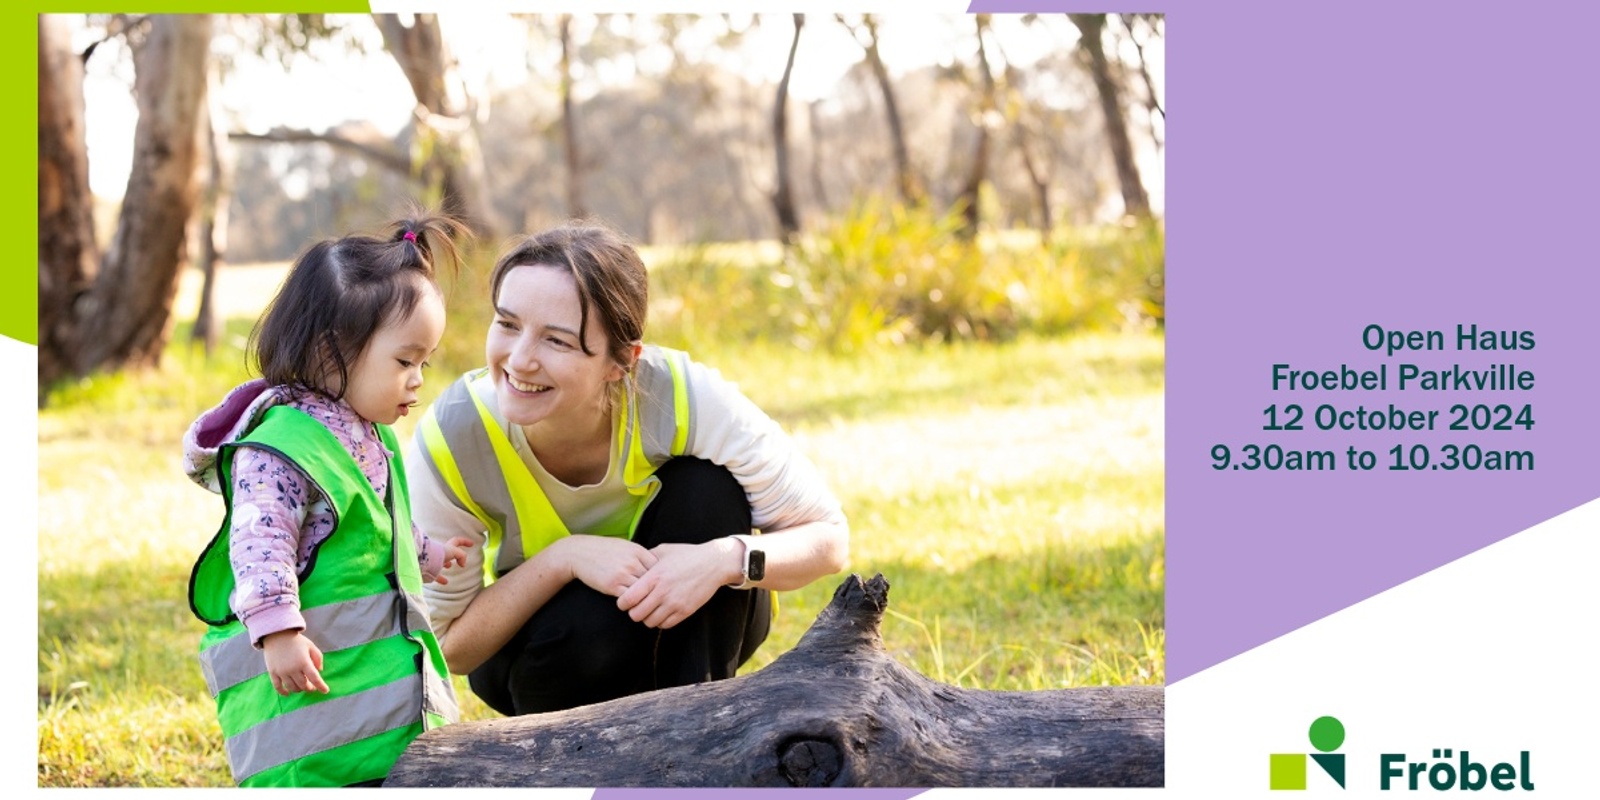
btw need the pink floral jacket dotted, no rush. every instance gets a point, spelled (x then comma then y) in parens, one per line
(279, 517)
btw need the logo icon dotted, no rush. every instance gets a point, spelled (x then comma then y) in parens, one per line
(1288, 770)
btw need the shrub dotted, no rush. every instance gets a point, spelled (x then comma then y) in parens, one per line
(885, 274)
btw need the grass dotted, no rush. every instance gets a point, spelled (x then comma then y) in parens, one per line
(1011, 493)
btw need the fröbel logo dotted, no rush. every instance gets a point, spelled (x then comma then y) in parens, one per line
(1288, 770)
(1447, 773)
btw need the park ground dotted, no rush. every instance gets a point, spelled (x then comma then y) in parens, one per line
(1011, 492)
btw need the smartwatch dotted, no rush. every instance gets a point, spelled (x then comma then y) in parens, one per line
(755, 563)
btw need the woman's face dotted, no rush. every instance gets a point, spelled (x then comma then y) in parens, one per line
(535, 351)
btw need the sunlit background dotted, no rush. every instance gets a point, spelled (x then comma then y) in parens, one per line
(962, 322)
(721, 70)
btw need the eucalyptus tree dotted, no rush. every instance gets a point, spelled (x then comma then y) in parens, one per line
(865, 32)
(105, 310)
(1135, 201)
(984, 113)
(445, 118)
(783, 195)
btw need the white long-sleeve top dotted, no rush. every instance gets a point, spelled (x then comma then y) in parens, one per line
(725, 428)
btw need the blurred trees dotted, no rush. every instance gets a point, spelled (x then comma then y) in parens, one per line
(983, 114)
(445, 119)
(569, 124)
(783, 195)
(661, 125)
(69, 256)
(211, 232)
(906, 180)
(1092, 27)
(649, 123)
(115, 310)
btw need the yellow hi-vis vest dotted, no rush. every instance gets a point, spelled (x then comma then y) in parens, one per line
(469, 453)
(362, 602)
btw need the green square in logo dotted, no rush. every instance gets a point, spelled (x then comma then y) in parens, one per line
(1288, 771)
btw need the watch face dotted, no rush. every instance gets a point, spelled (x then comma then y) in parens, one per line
(758, 565)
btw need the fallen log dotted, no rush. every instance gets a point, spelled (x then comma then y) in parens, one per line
(836, 710)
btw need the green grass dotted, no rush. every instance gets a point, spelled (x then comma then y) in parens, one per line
(1010, 492)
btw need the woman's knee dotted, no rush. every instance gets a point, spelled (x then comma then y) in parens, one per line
(575, 620)
(578, 649)
(698, 501)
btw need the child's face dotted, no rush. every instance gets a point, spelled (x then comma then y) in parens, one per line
(385, 379)
(535, 351)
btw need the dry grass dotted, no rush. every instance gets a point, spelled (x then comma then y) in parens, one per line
(1012, 494)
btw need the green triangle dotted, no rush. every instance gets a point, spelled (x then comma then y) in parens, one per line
(1331, 763)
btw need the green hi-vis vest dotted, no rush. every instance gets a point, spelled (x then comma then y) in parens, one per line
(468, 451)
(362, 602)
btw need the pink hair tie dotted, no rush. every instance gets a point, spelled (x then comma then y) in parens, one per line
(410, 236)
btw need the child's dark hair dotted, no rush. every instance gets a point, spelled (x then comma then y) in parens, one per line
(337, 295)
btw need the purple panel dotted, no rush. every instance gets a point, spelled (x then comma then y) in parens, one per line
(1414, 166)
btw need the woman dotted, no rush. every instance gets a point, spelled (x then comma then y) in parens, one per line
(611, 490)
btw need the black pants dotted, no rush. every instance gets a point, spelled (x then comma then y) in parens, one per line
(579, 648)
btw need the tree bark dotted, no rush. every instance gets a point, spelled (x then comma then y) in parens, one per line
(783, 195)
(814, 125)
(456, 165)
(213, 229)
(905, 177)
(1134, 200)
(1038, 177)
(125, 317)
(569, 126)
(971, 188)
(1152, 102)
(68, 254)
(837, 710)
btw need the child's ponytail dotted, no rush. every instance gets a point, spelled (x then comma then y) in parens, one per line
(338, 293)
(421, 235)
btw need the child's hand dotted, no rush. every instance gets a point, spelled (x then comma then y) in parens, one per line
(455, 555)
(294, 662)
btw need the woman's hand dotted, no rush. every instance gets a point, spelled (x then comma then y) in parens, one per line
(294, 662)
(605, 564)
(683, 579)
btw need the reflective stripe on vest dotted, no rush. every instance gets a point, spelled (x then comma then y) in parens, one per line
(374, 724)
(333, 627)
(465, 446)
(322, 727)
(362, 601)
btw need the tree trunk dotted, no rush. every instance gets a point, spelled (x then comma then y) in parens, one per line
(1036, 177)
(1152, 102)
(905, 177)
(68, 254)
(968, 197)
(569, 126)
(1134, 200)
(456, 165)
(1016, 117)
(213, 230)
(125, 318)
(835, 711)
(814, 125)
(783, 195)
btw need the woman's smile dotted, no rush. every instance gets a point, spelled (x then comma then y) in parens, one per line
(527, 388)
(549, 362)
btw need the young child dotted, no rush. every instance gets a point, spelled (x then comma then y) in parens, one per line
(319, 653)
